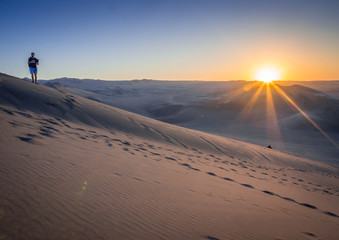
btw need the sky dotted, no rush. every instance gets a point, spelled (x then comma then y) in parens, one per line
(170, 39)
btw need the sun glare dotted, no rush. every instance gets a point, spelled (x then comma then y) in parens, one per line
(268, 74)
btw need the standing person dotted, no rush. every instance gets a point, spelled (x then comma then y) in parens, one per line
(32, 64)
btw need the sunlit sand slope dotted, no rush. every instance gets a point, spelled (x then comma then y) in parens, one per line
(71, 168)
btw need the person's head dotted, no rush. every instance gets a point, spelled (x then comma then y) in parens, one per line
(32, 54)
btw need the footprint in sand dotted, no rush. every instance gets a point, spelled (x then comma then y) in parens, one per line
(13, 124)
(51, 121)
(223, 169)
(45, 131)
(228, 179)
(211, 238)
(189, 166)
(25, 114)
(308, 205)
(7, 111)
(331, 214)
(269, 193)
(170, 158)
(26, 139)
(327, 192)
(301, 204)
(247, 185)
(310, 234)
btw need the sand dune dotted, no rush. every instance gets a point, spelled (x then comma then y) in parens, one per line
(72, 168)
(222, 108)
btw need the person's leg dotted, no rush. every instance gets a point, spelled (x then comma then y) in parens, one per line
(32, 72)
(36, 78)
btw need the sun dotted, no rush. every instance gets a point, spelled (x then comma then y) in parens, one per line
(268, 74)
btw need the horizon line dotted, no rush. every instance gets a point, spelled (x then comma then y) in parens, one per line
(181, 80)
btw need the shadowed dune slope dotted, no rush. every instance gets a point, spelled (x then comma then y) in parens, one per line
(234, 109)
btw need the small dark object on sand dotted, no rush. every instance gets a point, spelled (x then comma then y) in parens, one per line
(269, 146)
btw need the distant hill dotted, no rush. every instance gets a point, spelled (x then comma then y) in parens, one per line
(223, 108)
(174, 102)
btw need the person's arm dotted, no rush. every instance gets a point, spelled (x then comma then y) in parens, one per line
(37, 61)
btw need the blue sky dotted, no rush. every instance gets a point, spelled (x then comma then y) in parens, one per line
(207, 40)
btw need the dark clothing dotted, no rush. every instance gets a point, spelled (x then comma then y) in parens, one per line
(32, 61)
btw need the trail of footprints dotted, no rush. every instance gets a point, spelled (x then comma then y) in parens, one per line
(49, 128)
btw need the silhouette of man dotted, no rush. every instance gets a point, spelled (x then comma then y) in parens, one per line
(32, 64)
